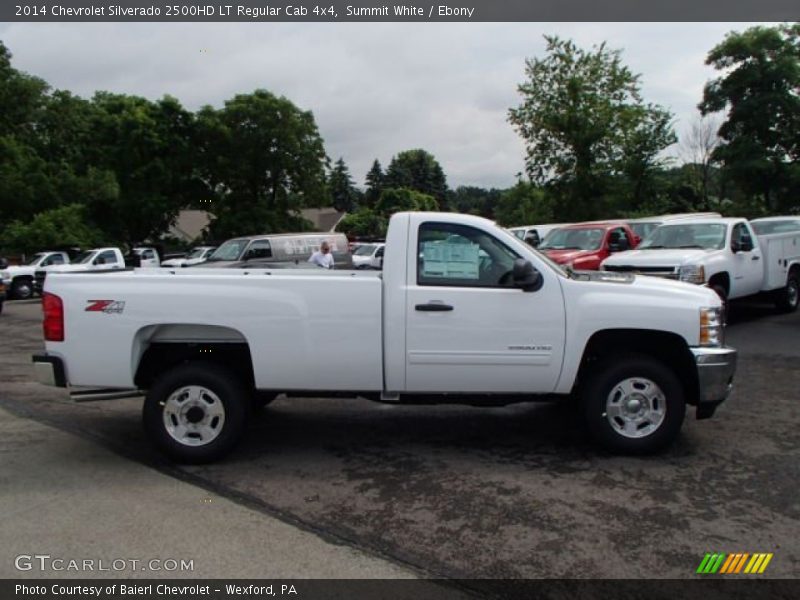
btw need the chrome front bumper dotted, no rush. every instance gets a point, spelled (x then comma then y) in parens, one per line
(715, 370)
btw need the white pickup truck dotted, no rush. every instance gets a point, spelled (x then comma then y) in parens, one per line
(723, 254)
(19, 279)
(463, 312)
(96, 259)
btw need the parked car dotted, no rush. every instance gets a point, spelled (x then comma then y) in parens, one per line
(647, 225)
(583, 246)
(198, 255)
(486, 322)
(768, 225)
(280, 247)
(19, 280)
(534, 234)
(723, 254)
(97, 259)
(368, 256)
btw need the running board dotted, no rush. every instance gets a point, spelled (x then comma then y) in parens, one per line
(93, 395)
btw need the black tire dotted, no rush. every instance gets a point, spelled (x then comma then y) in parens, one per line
(22, 288)
(786, 299)
(596, 397)
(263, 399)
(220, 382)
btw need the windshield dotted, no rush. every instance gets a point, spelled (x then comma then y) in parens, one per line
(196, 253)
(366, 250)
(767, 227)
(230, 250)
(36, 258)
(709, 236)
(85, 257)
(643, 229)
(573, 239)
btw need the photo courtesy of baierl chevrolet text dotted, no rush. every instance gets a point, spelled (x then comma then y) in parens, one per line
(326, 300)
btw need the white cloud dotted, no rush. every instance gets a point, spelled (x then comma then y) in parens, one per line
(375, 88)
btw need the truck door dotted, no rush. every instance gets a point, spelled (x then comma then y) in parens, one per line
(467, 328)
(748, 266)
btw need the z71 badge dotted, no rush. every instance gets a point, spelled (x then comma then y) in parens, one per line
(106, 306)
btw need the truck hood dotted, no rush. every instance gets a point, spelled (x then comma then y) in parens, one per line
(657, 288)
(656, 258)
(563, 257)
(17, 269)
(67, 268)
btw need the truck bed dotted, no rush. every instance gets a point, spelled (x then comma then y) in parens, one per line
(779, 250)
(333, 320)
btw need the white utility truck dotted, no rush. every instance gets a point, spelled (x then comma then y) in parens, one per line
(463, 312)
(96, 259)
(19, 279)
(723, 254)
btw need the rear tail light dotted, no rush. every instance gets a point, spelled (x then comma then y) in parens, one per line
(53, 324)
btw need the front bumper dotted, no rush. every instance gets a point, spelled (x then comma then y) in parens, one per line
(715, 370)
(49, 370)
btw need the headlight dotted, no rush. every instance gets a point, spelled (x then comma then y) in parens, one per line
(692, 274)
(711, 327)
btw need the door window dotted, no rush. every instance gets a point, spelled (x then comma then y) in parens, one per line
(108, 258)
(457, 255)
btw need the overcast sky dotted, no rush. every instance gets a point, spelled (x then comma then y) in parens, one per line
(375, 88)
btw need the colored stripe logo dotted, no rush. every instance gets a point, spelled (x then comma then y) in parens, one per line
(734, 564)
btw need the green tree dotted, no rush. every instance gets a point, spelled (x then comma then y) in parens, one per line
(363, 223)
(21, 99)
(584, 122)
(417, 170)
(474, 201)
(394, 200)
(760, 89)
(524, 204)
(63, 226)
(375, 184)
(341, 186)
(261, 158)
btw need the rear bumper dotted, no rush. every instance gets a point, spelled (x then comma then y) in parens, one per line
(715, 370)
(49, 370)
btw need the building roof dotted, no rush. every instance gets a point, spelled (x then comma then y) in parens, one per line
(189, 224)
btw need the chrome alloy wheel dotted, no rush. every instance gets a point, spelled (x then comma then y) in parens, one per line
(636, 407)
(193, 415)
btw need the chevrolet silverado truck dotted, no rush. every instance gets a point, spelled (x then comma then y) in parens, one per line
(722, 254)
(463, 312)
(19, 279)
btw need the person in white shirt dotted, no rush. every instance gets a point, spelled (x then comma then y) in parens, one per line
(322, 257)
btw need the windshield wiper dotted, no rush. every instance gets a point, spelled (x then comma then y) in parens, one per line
(690, 246)
(654, 247)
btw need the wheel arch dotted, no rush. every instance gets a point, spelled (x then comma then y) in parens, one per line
(722, 278)
(159, 348)
(667, 347)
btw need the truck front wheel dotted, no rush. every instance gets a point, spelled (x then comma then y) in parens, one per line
(22, 288)
(786, 299)
(633, 404)
(196, 413)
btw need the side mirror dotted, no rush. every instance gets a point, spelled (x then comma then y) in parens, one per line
(525, 276)
(532, 239)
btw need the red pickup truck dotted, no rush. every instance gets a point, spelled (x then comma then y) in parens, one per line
(584, 246)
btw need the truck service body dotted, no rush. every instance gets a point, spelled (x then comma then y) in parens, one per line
(463, 312)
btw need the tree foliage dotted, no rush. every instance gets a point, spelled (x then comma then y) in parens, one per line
(261, 158)
(524, 204)
(375, 181)
(417, 170)
(343, 192)
(584, 122)
(760, 89)
(60, 227)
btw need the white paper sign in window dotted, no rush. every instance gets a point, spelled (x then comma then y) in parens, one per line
(450, 261)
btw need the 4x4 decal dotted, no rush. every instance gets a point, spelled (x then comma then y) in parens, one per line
(106, 306)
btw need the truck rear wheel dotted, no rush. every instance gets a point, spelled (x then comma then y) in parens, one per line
(786, 299)
(633, 404)
(196, 412)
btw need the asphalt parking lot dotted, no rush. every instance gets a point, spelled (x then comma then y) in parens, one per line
(510, 492)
